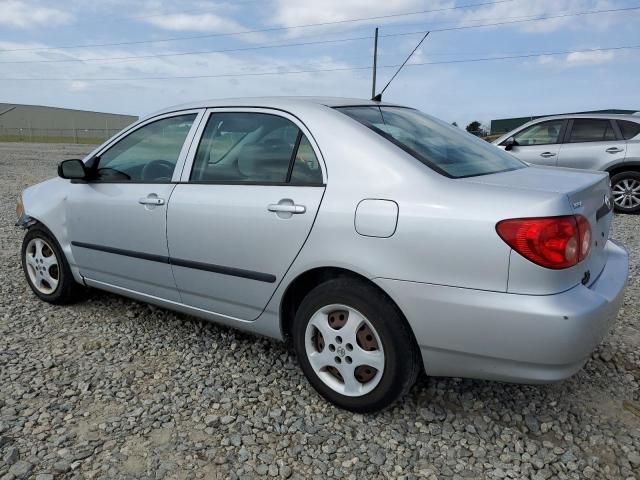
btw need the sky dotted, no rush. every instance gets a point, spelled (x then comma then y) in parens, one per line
(126, 56)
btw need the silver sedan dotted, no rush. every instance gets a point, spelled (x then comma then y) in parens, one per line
(378, 240)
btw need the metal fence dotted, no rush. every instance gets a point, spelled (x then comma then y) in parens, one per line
(56, 135)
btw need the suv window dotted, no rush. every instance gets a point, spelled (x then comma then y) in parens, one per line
(544, 133)
(440, 146)
(628, 129)
(254, 147)
(591, 130)
(148, 154)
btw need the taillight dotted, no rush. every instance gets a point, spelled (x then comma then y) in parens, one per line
(552, 242)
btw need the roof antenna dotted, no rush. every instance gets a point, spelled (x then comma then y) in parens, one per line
(375, 65)
(378, 97)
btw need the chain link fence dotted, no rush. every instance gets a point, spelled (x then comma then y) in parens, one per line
(56, 135)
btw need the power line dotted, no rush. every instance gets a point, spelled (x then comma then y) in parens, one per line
(336, 69)
(262, 30)
(196, 52)
(508, 21)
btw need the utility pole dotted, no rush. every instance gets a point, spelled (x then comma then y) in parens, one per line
(375, 64)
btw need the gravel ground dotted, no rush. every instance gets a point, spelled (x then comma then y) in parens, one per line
(110, 388)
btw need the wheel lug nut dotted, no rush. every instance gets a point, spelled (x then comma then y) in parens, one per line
(338, 339)
(348, 359)
(332, 347)
(338, 360)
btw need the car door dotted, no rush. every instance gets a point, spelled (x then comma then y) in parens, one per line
(117, 220)
(539, 143)
(591, 143)
(244, 209)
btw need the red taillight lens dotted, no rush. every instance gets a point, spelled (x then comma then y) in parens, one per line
(552, 242)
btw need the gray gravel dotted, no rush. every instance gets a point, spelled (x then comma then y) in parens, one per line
(110, 388)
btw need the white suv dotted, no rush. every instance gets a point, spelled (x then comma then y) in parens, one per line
(609, 143)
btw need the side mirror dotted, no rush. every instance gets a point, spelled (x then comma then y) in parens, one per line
(72, 169)
(509, 143)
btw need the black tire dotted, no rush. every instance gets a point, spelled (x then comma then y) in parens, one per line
(401, 354)
(618, 186)
(67, 290)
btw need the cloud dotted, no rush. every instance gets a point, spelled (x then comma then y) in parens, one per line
(520, 10)
(578, 59)
(26, 14)
(590, 58)
(184, 22)
(290, 13)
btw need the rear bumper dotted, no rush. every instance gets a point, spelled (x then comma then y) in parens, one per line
(509, 337)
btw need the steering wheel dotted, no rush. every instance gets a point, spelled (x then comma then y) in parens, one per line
(157, 170)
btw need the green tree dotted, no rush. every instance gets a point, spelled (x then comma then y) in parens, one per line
(455, 124)
(474, 127)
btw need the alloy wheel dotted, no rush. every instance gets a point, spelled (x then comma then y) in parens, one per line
(626, 193)
(344, 350)
(42, 266)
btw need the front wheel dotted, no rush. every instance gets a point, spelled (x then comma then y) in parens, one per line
(46, 268)
(625, 187)
(354, 345)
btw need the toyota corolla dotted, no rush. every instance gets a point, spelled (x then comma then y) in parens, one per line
(378, 240)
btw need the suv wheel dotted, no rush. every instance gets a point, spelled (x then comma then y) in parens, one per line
(46, 268)
(354, 346)
(625, 188)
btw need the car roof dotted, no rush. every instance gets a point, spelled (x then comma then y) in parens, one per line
(614, 116)
(284, 103)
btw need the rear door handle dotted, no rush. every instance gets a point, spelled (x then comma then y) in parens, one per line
(278, 207)
(151, 200)
(547, 154)
(613, 150)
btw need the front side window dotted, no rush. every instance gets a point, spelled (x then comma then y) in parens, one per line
(591, 130)
(149, 154)
(544, 133)
(629, 129)
(254, 147)
(444, 148)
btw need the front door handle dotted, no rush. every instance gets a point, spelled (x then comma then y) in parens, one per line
(613, 150)
(547, 154)
(151, 200)
(278, 207)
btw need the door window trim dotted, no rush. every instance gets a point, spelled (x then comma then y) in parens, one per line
(612, 124)
(195, 143)
(561, 134)
(177, 171)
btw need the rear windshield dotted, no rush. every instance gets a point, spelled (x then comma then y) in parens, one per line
(445, 148)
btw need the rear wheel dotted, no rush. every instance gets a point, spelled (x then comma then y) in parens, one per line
(625, 187)
(354, 346)
(46, 268)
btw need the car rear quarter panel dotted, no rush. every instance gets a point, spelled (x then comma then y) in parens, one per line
(446, 228)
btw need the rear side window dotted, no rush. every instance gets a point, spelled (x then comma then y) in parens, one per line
(442, 147)
(254, 147)
(591, 130)
(628, 129)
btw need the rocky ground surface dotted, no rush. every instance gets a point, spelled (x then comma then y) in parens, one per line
(110, 388)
